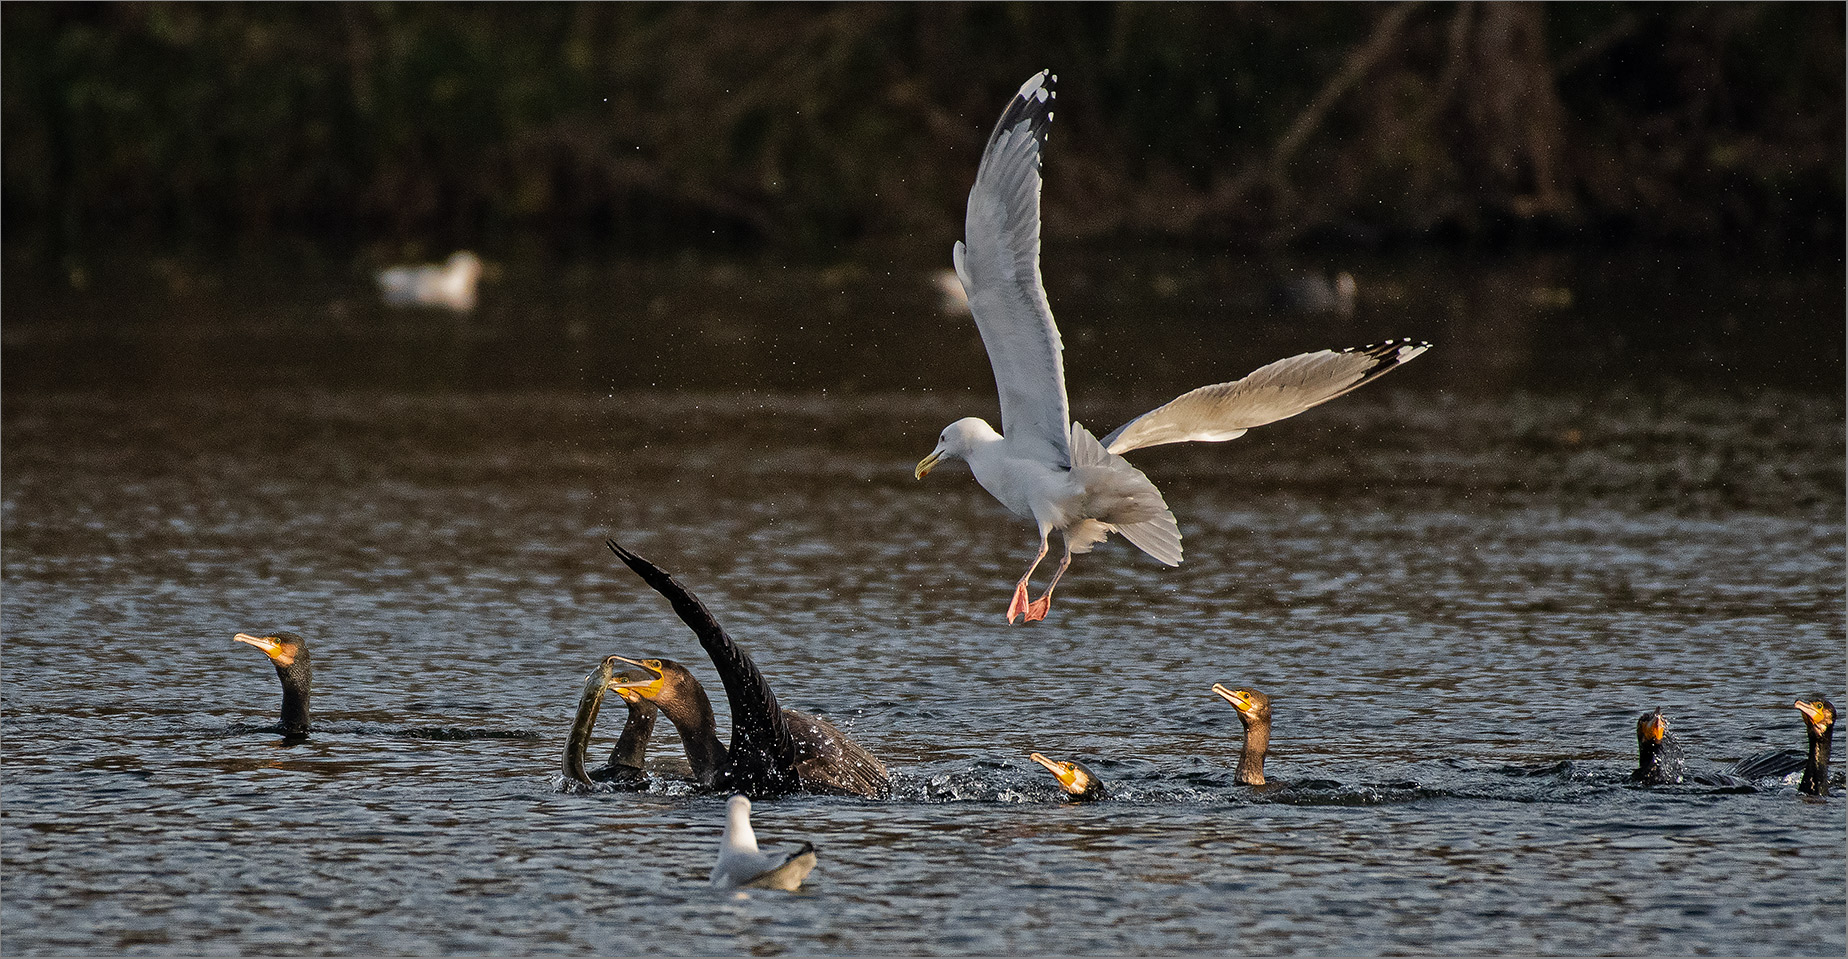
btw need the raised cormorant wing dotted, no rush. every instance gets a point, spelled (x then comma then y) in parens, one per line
(762, 756)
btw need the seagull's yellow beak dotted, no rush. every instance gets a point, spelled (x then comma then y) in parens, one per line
(927, 464)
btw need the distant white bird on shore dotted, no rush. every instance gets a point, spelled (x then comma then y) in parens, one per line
(741, 865)
(1043, 466)
(451, 284)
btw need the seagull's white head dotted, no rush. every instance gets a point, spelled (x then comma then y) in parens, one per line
(738, 833)
(958, 440)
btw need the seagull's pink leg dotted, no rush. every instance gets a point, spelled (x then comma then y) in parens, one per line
(1020, 605)
(1037, 609)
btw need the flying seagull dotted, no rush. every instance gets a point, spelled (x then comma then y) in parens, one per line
(1043, 466)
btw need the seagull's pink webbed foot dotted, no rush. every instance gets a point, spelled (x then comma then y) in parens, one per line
(1036, 610)
(1020, 604)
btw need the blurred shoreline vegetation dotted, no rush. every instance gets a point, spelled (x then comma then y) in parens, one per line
(799, 129)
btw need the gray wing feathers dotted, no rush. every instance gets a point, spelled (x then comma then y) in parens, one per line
(998, 263)
(1160, 538)
(1145, 521)
(1212, 414)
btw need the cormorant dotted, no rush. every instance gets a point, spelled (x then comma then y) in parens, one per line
(1659, 760)
(773, 750)
(290, 654)
(625, 763)
(1255, 713)
(1077, 781)
(1819, 717)
(741, 865)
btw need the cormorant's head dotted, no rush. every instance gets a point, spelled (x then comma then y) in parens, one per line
(1072, 776)
(630, 696)
(1252, 706)
(283, 649)
(660, 678)
(1651, 728)
(1819, 715)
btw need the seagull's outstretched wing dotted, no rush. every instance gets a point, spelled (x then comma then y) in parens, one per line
(998, 263)
(1283, 389)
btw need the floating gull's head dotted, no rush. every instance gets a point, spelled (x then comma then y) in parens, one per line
(959, 439)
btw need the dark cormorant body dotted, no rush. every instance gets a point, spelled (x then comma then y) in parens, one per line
(289, 653)
(773, 750)
(1079, 783)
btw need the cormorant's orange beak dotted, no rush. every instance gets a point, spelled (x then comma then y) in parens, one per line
(1066, 773)
(1816, 714)
(647, 689)
(927, 464)
(1654, 727)
(627, 695)
(270, 645)
(1239, 698)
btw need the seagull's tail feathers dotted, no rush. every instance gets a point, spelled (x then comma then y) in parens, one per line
(1119, 498)
(1160, 538)
(1224, 411)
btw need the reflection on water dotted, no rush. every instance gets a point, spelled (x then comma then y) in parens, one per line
(1459, 586)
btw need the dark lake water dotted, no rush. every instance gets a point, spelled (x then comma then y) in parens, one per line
(1612, 486)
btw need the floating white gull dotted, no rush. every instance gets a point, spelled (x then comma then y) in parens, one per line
(451, 285)
(1044, 467)
(740, 865)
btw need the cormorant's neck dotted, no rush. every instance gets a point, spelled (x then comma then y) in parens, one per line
(296, 679)
(691, 713)
(1816, 771)
(1251, 761)
(632, 745)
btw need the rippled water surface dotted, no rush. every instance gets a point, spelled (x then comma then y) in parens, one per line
(1460, 586)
